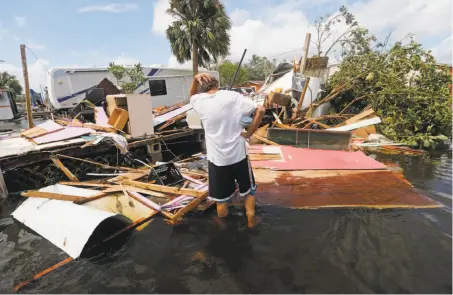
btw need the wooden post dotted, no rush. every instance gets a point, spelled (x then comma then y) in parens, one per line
(305, 56)
(27, 86)
(301, 98)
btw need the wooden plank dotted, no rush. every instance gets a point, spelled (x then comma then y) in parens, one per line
(283, 126)
(87, 125)
(63, 168)
(92, 198)
(264, 157)
(129, 175)
(265, 140)
(164, 189)
(357, 117)
(202, 174)
(357, 125)
(189, 207)
(119, 188)
(53, 196)
(277, 118)
(302, 96)
(86, 184)
(97, 164)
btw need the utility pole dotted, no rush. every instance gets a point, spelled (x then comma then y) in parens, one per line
(27, 86)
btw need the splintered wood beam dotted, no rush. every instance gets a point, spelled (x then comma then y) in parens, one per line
(164, 189)
(53, 196)
(119, 188)
(63, 168)
(129, 175)
(86, 125)
(92, 198)
(265, 140)
(189, 207)
(87, 184)
(97, 164)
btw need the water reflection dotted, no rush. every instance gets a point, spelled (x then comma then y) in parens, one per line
(293, 251)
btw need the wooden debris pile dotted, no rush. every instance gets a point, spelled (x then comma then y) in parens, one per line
(292, 103)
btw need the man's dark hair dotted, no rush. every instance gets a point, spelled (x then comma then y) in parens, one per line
(205, 87)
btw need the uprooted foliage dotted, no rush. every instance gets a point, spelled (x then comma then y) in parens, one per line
(406, 88)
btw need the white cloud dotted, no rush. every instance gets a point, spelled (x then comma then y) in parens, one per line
(161, 19)
(239, 16)
(37, 73)
(20, 21)
(422, 17)
(173, 63)
(35, 45)
(112, 8)
(125, 60)
(443, 51)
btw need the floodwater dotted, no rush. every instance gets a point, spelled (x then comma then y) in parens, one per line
(292, 251)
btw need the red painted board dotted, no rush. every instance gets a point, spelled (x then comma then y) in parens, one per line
(314, 159)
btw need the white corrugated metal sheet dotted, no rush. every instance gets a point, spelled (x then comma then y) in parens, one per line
(65, 224)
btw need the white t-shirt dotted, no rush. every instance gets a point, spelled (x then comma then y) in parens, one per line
(221, 115)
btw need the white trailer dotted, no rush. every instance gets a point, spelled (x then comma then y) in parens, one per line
(67, 87)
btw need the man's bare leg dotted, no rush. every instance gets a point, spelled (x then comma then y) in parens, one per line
(249, 205)
(222, 209)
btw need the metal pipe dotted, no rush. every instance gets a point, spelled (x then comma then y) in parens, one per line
(237, 70)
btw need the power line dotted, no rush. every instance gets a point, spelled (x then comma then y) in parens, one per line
(37, 58)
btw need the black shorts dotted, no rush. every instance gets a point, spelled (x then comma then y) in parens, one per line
(222, 180)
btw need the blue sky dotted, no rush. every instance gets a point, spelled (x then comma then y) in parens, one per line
(94, 32)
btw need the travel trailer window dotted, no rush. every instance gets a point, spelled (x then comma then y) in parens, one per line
(157, 87)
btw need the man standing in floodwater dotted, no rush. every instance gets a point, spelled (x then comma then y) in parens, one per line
(221, 112)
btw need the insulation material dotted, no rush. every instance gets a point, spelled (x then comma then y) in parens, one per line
(66, 133)
(310, 159)
(65, 224)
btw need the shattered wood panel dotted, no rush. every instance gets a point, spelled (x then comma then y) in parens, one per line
(315, 139)
(378, 190)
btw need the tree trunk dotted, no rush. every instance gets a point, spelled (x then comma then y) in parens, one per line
(195, 58)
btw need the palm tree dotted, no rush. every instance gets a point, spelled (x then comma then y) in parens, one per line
(10, 82)
(200, 31)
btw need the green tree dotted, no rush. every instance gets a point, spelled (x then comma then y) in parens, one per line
(200, 31)
(260, 67)
(127, 79)
(226, 72)
(10, 82)
(405, 86)
(353, 39)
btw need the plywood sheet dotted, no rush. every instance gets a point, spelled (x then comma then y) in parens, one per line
(66, 133)
(311, 159)
(378, 190)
